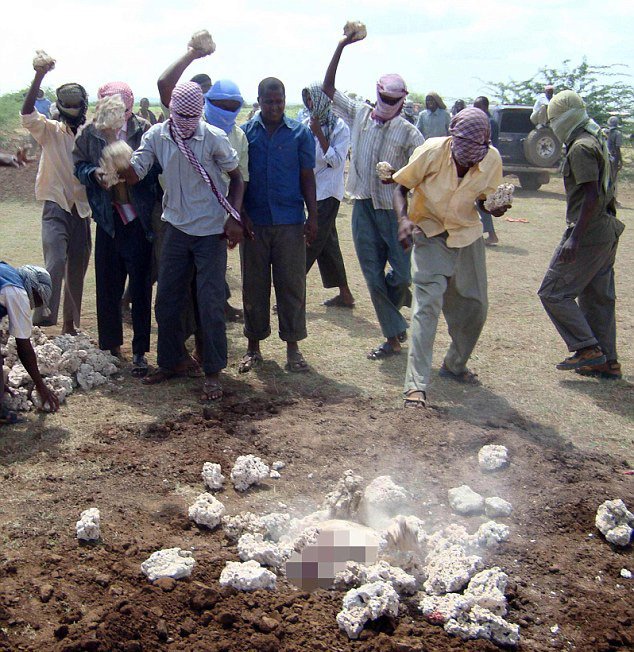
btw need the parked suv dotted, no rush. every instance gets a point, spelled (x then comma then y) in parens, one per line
(529, 153)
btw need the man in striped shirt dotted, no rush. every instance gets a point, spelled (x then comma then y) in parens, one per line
(378, 134)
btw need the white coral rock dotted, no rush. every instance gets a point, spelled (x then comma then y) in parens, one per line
(487, 588)
(493, 457)
(48, 358)
(202, 41)
(18, 400)
(169, 562)
(368, 602)
(235, 526)
(382, 500)
(212, 476)
(110, 114)
(489, 534)
(466, 501)
(496, 506)
(482, 623)
(356, 574)
(438, 609)
(42, 60)
(247, 576)
(18, 376)
(343, 501)
(384, 170)
(266, 553)
(88, 526)
(615, 522)
(503, 196)
(356, 28)
(449, 570)
(207, 511)
(247, 471)
(61, 386)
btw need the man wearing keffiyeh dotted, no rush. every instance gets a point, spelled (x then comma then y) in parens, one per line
(203, 191)
(448, 176)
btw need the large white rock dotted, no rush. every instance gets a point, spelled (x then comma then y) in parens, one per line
(48, 356)
(247, 576)
(489, 534)
(207, 511)
(357, 574)
(438, 609)
(615, 522)
(212, 476)
(266, 553)
(496, 506)
(492, 457)
(486, 589)
(482, 623)
(368, 602)
(235, 526)
(61, 386)
(247, 471)
(275, 525)
(88, 525)
(382, 500)
(169, 562)
(450, 569)
(18, 376)
(465, 501)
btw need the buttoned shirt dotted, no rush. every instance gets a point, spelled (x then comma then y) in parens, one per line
(372, 142)
(434, 124)
(56, 179)
(441, 200)
(274, 194)
(329, 166)
(188, 202)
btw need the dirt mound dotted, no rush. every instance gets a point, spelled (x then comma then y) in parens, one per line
(18, 184)
(55, 594)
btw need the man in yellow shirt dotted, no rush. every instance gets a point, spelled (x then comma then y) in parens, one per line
(448, 176)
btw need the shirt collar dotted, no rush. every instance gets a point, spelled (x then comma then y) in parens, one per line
(285, 120)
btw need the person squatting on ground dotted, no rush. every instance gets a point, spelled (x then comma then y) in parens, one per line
(447, 176)
(202, 218)
(65, 225)
(123, 239)
(332, 142)
(578, 290)
(281, 182)
(21, 290)
(378, 134)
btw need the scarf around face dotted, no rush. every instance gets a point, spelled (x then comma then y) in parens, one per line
(122, 89)
(223, 89)
(392, 86)
(322, 108)
(36, 279)
(470, 132)
(186, 109)
(72, 94)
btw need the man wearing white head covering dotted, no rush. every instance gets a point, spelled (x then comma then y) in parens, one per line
(21, 290)
(578, 289)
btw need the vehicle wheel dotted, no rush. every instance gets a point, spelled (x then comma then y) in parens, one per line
(541, 148)
(529, 181)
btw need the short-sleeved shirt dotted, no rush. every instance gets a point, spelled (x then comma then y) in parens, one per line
(583, 164)
(188, 202)
(16, 302)
(442, 201)
(56, 180)
(274, 194)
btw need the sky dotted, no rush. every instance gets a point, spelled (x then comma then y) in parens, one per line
(451, 47)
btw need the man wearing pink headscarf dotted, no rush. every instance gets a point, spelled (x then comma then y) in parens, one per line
(448, 176)
(123, 240)
(378, 134)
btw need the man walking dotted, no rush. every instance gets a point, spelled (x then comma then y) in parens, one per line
(378, 134)
(447, 176)
(578, 289)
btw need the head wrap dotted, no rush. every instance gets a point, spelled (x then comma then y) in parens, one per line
(75, 95)
(322, 108)
(122, 89)
(36, 279)
(549, 87)
(186, 108)
(392, 86)
(566, 114)
(437, 99)
(613, 121)
(223, 89)
(470, 132)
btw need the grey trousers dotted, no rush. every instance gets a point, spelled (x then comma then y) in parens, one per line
(580, 297)
(66, 244)
(454, 281)
(280, 250)
(325, 249)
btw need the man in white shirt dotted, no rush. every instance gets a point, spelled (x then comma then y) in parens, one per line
(538, 116)
(332, 142)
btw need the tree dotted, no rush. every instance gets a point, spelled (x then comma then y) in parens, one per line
(604, 89)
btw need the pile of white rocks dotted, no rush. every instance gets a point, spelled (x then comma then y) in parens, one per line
(66, 363)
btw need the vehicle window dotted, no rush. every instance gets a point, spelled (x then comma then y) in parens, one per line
(516, 122)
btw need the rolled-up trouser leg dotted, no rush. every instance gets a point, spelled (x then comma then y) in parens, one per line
(255, 261)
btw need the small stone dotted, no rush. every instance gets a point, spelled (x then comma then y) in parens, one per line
(161, 630)
(187, 627)
(466, 501)
(493, 457)
(266, 624)
(46, 592)
(165, 583)
(278, 465)
(495, 506)
(227, 618)
(626, 574)
(274, 475)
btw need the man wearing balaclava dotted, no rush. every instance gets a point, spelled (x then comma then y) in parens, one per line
(123, 237)
(378, 134)
(448, 176)
(65, 224)
(578, 289)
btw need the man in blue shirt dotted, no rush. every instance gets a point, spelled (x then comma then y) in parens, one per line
(281, 182)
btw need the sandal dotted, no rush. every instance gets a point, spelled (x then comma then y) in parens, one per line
(140, 366)
(212, 391)
(466, 377)
(249, 360)
(415, 398)
(296, 364)
(382, 351)
(337, 302)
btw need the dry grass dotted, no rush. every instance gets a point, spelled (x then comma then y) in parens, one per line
(515, 357)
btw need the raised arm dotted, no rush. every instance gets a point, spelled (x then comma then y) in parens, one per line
(329, 80)
(170, 76)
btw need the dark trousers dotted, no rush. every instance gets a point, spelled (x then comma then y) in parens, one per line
(280, 250)
(127, 255)
(325, 249)
(180, 255)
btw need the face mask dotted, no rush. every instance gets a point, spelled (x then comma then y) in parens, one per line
(220, 118)
(68, 111)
